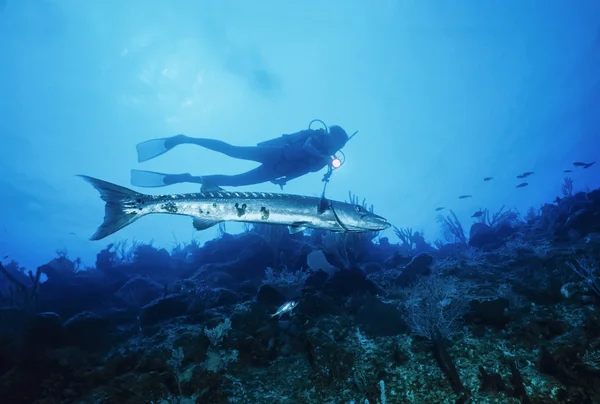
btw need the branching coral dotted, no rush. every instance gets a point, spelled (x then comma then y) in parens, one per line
(28, 293)
(567, 187)
(452, 230)
(500, 217)
(589, 272)
(435, 304)
(405, 235)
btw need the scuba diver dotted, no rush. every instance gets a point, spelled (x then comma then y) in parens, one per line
(281, 159)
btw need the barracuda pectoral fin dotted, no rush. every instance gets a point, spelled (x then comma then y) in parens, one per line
(297, 227)
(204, 223)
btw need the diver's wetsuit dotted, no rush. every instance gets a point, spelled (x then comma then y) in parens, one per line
(278, 158)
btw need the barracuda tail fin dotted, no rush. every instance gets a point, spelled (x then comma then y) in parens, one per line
(118, 200)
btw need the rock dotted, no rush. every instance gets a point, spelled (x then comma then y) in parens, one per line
(153, 262)
(316, 280)
(565, 363)
(395, 260)
(490, 382)
(594, 197)
(481, 235)
(12, 322)
(349, 282)
(420, 244)
(324, 352)
(45, 331)
(583, 221)
(162, 309)
(268, 296)
(139, 291)
(247, 290)
(214, 274)
(489, 238)
(379, 319)
(371, 268)
(221, 297)
(488, 313)
(315, 305)
(242, 256)
(418, 266)
(88, 331)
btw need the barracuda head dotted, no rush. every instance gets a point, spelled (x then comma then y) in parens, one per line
(356, 218)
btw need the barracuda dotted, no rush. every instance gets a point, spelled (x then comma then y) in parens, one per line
(214, 205)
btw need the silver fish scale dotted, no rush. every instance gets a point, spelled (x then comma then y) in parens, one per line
(230, 195)
(259, 207)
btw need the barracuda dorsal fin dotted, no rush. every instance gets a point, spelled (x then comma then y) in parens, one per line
(323, 205)
(297, 227)
(204, 223)
(210, 187)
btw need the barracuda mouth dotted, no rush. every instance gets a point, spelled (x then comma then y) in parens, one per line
(375, 222)
(365, 223)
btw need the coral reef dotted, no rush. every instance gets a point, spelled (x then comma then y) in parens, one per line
(509, 313)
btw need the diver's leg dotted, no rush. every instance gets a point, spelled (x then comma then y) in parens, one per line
(257, 176)
(253, 153)
(152, 179)
(171, 179)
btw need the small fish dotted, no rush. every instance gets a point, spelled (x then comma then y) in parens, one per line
(215, 205)
(287, 307)
(525, 174)
(478, 213)
(5, 257)
(567, 171)
(522, 185)
(488, 178)
(465, 196)
(440, 208)
(584, 165)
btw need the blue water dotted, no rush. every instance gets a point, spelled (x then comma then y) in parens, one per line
(442, 94)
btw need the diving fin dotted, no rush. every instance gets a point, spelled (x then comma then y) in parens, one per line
(210, 187)
(204, 223)
(149, 179)
(153, 148)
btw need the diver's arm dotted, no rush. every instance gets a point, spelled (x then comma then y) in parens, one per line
(313, 167)
(310, 149)
(281, 181)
